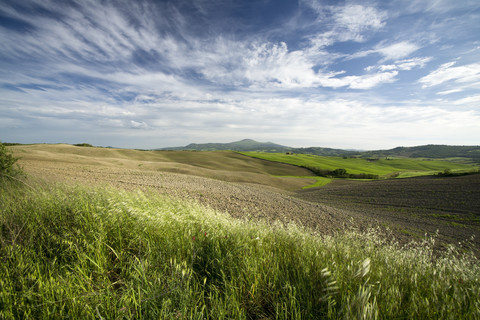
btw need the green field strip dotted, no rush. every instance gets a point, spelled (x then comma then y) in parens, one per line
(319, 181)
(382, 167)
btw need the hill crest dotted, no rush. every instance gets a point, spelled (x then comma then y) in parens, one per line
(425, 151)
(242, 145)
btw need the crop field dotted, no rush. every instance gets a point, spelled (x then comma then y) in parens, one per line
(413, 206)
(401, 167)
(107, 233)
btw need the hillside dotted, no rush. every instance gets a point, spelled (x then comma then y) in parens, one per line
(383, 168)
(242, 145)
(430, 151)
(225, 165)
(226, 181)
(426, 151)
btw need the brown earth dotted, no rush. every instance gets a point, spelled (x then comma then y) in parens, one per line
(253, 189)
(413, 206)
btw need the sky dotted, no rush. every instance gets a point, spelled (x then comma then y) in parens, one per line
(150, 74)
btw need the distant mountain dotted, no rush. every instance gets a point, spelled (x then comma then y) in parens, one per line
(242, 145)
(327, 152)
(426, 151)
(252, 145)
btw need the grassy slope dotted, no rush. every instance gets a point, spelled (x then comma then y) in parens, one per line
(77, 252)
(227, 166)
(382, 167)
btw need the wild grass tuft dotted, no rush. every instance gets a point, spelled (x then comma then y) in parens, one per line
(78, 252)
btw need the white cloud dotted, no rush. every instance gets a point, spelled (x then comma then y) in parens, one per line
(357, 18)
(393, 51)
(409, 64)
(402, 65)
(467, 74)
(370, 81)
(435, 6)
(348, 23)
(367, 81)
(247, 84)
(104, 35)
(138, 124)
(268, 65)
(468, 100)
(275, 65)
(449, 91)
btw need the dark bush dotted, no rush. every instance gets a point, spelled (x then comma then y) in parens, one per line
(340, 173)
(83, 145)
(8, 166)
(450, 173)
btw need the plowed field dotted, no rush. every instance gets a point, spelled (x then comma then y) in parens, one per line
(413, 206)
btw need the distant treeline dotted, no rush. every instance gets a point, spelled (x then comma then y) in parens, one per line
(340, 173)
(450, 173)
(11, 144)
(83, 145)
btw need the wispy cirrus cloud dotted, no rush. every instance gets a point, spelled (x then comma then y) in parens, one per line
(407, 64)
(466, 74)
(348, 23)
(393, 51)
(351, 21)
(177, 69)
(103, 39)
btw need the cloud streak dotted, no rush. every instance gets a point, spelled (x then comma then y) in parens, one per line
(153, 69)
(467, 74)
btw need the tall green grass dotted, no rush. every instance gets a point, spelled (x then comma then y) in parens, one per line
(77, 252)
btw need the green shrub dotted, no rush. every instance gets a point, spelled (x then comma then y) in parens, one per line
(340, 173)
(9, 169)
(450, 173)
(83, 145)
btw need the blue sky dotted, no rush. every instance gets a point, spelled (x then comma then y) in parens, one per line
(148, 74)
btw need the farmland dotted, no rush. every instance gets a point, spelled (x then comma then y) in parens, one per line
(412, 206)
(112, 233)
(264, 190)
(384, 167)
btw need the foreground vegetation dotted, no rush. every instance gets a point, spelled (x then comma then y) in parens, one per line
(77, 252)
(9, 169)
(358, 168)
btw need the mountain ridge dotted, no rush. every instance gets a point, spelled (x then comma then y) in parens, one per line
(423, 151)
(242, 145)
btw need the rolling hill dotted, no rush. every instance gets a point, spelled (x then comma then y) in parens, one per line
(220, 165)
(426, 151)
(242, 145)
(430, 151)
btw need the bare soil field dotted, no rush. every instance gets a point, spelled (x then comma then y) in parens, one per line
(226, 166)
(413, 206)
(250, 189)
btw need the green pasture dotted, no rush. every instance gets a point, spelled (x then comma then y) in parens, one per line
(401, 167)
